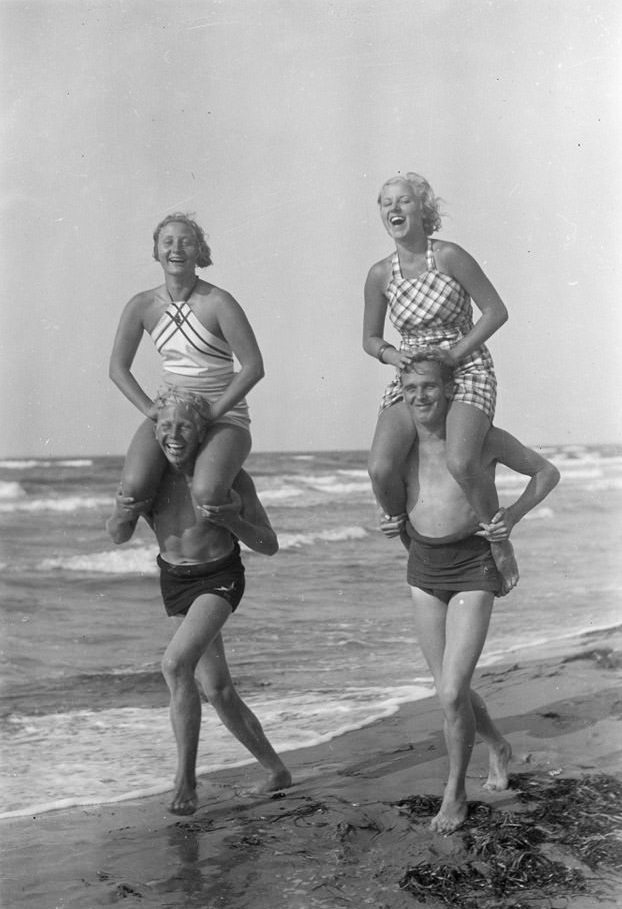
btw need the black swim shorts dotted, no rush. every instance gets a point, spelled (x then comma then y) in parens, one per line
(446, 565)
(182, 584)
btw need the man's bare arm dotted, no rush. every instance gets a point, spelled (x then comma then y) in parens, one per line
(504, 448)
(245, 517)
(122, 522)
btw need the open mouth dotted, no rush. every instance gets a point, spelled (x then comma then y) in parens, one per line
(396, 219)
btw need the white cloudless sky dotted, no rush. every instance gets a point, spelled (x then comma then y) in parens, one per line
(275, 122)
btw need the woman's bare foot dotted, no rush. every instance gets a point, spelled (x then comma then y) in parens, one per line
(279, 779)
(498, 762)
(452, 815)
(185, 800)
(505, 560)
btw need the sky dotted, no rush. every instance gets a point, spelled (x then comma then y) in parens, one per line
(275, 122)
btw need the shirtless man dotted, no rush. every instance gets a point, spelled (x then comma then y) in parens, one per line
(452, 575)
(202, 582)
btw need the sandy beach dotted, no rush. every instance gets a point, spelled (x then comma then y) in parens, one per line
(337, 837)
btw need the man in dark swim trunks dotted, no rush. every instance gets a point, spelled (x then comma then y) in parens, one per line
(202, 582)
(452, 575)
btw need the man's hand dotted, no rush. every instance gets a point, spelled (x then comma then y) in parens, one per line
(499, 528)
(223, 515)
(128, 509)
(392, 525)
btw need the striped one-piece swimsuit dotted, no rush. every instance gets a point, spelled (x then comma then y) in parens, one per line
(193, 358)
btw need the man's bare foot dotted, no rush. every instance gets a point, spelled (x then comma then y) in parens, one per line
(185, 800)
(503, 555)
(498, 763)
(452, 815)
(280, 779)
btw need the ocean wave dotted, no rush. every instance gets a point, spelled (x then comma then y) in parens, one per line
(12, 491)
(62, 504)
(134, 560)
(336, 534)
(30, 463)
(138, 559)
(90, 747)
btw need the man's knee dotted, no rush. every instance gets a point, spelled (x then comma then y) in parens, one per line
(175, 668)
(452, 696)
(221, 695)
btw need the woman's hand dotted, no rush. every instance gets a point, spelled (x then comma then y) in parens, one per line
(223, 515)
(397, 358)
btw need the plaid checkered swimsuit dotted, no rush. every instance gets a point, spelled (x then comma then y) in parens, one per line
(434, 310)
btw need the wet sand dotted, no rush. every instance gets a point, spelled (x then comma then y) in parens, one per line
(336, 838)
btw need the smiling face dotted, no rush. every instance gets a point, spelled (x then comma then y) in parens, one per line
(427, 393)
(178, 434)
(400, 210)
(178, 249)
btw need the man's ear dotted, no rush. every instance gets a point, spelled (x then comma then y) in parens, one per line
(448, 388)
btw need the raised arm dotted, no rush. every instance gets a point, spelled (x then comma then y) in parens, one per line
(245, 517)
(544, 476)
(127, 339)
(456, 262)
(237, 332)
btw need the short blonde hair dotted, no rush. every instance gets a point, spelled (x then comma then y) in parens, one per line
(205, 254)
(430, 203)
(172, 397)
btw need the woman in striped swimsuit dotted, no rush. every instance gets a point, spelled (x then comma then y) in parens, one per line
(196, 327)
(427, 287)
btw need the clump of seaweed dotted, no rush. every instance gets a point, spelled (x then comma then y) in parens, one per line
(506, 867)
(584, 815)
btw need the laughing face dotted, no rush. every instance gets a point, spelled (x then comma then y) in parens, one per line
(400, 210)
(178, 249)
(178, 434)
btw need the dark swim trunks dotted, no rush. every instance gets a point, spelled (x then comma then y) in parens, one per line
(443, 566)
(182, 584)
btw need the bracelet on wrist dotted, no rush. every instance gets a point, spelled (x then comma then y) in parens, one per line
(382, 349)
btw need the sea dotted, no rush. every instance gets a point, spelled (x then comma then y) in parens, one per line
(322, 642)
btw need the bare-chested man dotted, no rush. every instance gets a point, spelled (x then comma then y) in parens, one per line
(452, 575)
(202, 582)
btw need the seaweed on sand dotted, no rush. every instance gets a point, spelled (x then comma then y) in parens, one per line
(505, 867)
(584, 814)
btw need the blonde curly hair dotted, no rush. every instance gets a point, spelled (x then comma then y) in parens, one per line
(430, 203)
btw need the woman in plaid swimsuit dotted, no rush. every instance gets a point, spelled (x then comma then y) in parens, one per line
(427, 287)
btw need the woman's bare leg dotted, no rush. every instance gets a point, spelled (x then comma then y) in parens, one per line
(394, 437)
(144, 464)
(222, 454)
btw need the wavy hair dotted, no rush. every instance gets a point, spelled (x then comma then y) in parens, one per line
(430, 203)
(205, 254)
(174, 397)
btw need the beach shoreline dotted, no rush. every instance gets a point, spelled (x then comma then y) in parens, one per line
(336, 837)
